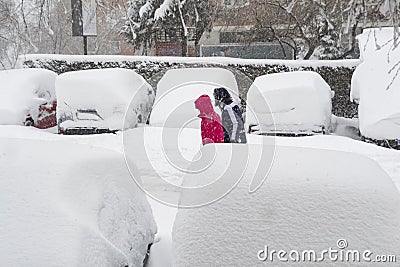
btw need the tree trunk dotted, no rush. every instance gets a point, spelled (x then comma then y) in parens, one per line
(310, 52)
(184, 45)
(353, 42)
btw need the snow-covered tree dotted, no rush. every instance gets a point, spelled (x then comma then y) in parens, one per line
(138, 28)
(10, 43)
(44, 26)
(313, 28)
(35, 26)
(173, 17)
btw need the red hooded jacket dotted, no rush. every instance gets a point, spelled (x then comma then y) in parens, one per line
(211, 127)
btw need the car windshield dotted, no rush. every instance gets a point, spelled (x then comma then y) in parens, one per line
(88, 115)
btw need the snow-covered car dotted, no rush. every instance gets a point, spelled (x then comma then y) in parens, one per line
(375, 85)
(292, 103)
(82, 209)
(28, 97)
(102, 101)
(179, 88)
(304, 204)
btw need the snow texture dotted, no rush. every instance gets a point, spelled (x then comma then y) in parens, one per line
(376, 85)
(126, 94)
(290, 102)
(307, 206)
(163, 9)
(65, 204)
(179, 88)
(189, 142)
(144, 9)
(389, 6)
(22, 91)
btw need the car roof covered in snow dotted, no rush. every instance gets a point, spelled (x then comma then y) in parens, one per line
(70, 204)
(291, 80)
(307, 200)
(217, 77)
(20, 90)
(115, 82)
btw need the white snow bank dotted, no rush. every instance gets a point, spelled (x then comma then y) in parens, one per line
(22, 91)
(66, 204)
(376, 85)
(190, 60)
(289, 102)
(305, 204)
(179, 88)
(345, 127)
(113, 93)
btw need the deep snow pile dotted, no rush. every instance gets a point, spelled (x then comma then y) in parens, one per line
(178, 89)
(22, 91)
(113, 93)
(376, 85)
(308, 206)
(189, 142)
(290, 102)
(64, 204)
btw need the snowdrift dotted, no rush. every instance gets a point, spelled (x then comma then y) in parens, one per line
(64, 204)
(376, 86)
(304, 204)
(111, 92)
(293, 102)
(22, 91)
(178, 89)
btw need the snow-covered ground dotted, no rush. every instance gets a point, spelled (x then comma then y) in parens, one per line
(189, 143)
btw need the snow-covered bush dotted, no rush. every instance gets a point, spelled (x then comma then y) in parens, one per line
(178, 89)
(307, 202)
(120, 97)
(22, 91)
(65, 204)
(376, 84)
(292, 102)
(337, 73)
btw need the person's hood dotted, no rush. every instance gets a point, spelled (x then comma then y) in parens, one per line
(204, 105)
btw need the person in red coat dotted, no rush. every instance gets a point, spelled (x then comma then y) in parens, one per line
(211, 127)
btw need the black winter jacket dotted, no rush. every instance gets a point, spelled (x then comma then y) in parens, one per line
(233, 125)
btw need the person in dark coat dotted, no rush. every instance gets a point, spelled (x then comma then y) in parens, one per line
(211, 127)
(232, 118)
